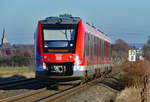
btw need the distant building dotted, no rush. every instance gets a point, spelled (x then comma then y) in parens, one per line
(4, 46)
(132, 55)
(140, 54)
(3, 40)
(4, 43)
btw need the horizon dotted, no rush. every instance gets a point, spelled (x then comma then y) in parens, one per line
(126, 20)
(130, 44)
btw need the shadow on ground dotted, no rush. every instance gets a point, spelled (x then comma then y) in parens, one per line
(114, 83)
(11, 78)
(32, 85)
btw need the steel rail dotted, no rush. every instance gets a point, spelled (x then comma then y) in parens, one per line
(18, 97)
(56, 95)
(75, 89)
(71, 90)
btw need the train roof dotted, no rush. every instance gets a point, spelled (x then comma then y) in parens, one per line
(92, 30)
(61, 20)
(75, 20)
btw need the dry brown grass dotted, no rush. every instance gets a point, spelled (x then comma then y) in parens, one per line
(133, 73)
(10, 71)
(129, 95)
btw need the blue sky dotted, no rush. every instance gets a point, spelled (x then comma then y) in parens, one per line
(119, 19)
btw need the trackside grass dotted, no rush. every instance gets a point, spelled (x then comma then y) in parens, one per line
(14, 70)
(132, 75)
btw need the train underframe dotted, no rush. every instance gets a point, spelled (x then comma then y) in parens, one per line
(65, 72)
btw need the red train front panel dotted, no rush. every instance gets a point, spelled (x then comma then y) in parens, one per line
(56, 56)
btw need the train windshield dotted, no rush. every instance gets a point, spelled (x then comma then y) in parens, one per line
(59, 39)
(60, 34)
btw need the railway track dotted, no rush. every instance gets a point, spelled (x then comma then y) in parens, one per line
(16, 83)
(45, 95)
(37, 95)
(71, 91)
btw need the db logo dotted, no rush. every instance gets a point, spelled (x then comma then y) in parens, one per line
(58, 56)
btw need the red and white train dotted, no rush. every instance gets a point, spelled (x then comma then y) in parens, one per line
(66, 47)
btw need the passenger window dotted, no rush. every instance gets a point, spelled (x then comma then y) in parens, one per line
(108, 49)
(104, 49)
(92, 47)
(102, 44)
(87, 44)
(95, 46)
(99, 47)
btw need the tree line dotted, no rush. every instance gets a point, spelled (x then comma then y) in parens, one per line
(23, 55)
(16, 55)
(146, 50)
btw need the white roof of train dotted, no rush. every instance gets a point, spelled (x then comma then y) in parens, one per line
(96, 32)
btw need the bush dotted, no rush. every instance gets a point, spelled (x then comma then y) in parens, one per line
(16, 60)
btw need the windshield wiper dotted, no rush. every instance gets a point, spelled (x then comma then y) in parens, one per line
(65, 33)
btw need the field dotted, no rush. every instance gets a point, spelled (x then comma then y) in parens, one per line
(8, 71)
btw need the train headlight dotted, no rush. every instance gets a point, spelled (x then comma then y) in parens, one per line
(45, 57)
(71, 56)
(77, 61)
(43, 65)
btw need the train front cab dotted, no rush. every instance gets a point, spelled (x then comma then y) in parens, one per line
(73, 63)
